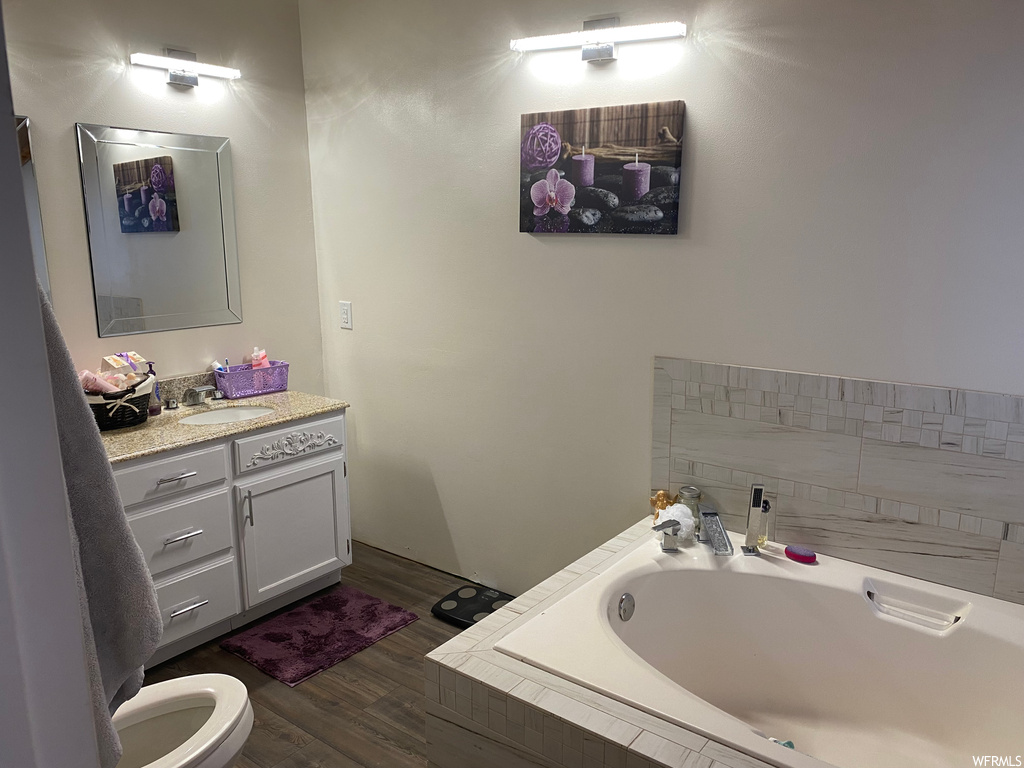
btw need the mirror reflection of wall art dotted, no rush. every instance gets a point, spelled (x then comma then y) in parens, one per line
(608, 170)
(145, 192)
(186, 275)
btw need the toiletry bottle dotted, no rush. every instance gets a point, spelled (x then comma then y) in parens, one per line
(93, 383)
(154, 401)
(762, 536)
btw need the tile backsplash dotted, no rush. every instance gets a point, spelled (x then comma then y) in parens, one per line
(926, 481)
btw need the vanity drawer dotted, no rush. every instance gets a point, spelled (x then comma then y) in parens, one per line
(200, 599)
(178, 534)
(283, 445)
(156, 480)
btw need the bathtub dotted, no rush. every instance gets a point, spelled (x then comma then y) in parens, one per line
(858, 667)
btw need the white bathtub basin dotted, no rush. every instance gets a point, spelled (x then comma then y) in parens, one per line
(741, 648)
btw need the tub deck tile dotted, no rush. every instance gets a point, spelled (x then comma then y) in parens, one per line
(548, 587)
(457, 644)
(473, 635)
(574, 711)
(726, 757)
(639, 541)
(540, 605)
(479, 670)
(587, 562)
(612, 707)
(667, 753)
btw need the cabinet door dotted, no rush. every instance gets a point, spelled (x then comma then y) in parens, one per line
(293, 527)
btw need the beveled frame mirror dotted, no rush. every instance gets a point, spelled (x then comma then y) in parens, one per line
(161, 218)
(35, 216)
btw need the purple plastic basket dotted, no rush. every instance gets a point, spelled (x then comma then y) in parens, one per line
(246, 381)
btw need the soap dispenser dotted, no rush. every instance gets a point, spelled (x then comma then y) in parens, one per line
(154, 401)
(259, 358)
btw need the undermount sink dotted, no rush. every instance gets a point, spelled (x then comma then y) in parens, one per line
(226, 415)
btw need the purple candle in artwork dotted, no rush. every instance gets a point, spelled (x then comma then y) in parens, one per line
(636, 180)
(144, 191)
(127, 202)
(583, 169)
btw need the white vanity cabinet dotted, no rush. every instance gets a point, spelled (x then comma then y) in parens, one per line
(236, 528)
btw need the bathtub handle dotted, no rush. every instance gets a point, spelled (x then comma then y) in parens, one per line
(915, 614)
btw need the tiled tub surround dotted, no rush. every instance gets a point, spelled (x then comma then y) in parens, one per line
(488, 709)
(924, 481)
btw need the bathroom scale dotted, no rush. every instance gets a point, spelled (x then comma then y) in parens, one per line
(467, 605)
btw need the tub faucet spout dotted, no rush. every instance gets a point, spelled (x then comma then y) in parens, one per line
(669, 530)
(712, 531)
(757, 528)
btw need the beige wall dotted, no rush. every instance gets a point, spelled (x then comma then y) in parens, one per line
(69, 64)
(853, 195)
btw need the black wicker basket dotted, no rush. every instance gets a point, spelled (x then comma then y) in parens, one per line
(126, 408)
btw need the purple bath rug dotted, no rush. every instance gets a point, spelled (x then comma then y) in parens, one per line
(297, 644)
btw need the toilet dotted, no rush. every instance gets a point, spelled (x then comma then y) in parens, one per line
(200, 721)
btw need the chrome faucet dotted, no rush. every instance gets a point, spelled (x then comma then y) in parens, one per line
(197, 395)
(712, 531)
(669, 530)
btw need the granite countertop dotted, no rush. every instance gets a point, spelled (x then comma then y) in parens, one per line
(164, 433)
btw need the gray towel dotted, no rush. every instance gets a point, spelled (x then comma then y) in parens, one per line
(120, 616)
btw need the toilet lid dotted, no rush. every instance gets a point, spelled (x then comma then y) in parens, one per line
(228, 696)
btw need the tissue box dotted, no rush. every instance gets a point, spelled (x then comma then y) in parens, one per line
(119, 363)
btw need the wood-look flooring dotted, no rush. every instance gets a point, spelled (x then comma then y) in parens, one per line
(364, 712)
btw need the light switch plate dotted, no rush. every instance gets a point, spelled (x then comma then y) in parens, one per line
(346, 314)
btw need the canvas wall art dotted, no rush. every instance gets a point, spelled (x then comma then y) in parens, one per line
(146, 197)
(612, 170)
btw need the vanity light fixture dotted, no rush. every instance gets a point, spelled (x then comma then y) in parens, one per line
(597, 39)
(182, 67)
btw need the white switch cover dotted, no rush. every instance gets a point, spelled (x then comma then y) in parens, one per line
(346, 314)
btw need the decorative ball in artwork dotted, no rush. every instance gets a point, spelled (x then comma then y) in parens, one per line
(541, 147)
(157, 177)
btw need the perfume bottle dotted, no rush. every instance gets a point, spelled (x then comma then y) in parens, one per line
(762, 536)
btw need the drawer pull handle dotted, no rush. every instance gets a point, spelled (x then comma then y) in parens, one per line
(251, 516)
(190, 608)
(183, 476)
(182, 537)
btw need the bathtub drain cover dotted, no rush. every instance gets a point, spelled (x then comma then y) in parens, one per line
(467, 605)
